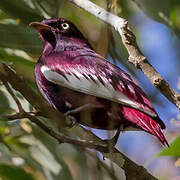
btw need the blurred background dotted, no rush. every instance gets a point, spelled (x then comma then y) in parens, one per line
(28, 153)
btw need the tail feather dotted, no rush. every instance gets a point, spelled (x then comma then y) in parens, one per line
(157, 131)
(145, 123)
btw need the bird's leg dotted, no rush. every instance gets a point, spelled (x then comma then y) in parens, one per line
(70, 113)
(79, 109)
(112, 142)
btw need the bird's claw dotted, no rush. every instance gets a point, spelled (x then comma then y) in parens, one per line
(70, 120)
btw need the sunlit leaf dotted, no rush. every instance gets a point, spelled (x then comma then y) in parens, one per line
(174, 16)
(173, 150)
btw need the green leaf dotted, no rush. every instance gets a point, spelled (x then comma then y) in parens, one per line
(174, 16)
(20, 10)
(157, 10)
(51, 8)
(21, 65)
(22, 38)
(8, 172)
(3, 15)
(173, 150)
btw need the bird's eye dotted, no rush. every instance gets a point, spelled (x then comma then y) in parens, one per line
(65, 26)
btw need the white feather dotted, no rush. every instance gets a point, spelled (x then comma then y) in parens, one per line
(87, 86)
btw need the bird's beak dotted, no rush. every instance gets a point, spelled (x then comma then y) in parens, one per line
(40, 26)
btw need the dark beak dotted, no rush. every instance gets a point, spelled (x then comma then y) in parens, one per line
(40, 26)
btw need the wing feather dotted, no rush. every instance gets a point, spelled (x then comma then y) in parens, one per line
(89, 73)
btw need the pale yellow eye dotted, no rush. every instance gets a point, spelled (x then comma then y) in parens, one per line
(65, 26)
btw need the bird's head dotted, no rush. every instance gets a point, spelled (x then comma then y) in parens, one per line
(58, 31)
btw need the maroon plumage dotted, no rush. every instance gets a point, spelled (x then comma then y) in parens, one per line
(71, 74)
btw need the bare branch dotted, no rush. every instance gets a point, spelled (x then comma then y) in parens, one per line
(65, 139)
(136, 57)
(13, 117)
(59, 136)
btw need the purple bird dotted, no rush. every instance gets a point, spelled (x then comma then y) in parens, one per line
(81, 83)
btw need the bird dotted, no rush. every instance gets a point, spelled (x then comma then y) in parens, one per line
(82, 84)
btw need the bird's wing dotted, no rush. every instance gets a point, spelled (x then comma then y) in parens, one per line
(89, 73)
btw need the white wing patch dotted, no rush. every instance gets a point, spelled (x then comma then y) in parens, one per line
(87, 86)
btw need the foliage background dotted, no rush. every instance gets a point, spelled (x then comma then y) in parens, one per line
(28, 153)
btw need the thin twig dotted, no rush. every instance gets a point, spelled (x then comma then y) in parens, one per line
(13, 117)
(13, 96)
(21, 115)
(59, 136)
(102, 164)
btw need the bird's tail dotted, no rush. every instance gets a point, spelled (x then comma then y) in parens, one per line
(146, 123)
(157, 131)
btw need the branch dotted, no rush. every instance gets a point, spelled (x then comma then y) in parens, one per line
(132, 170)
(136, 57)
(108, 169)
(61, 138)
